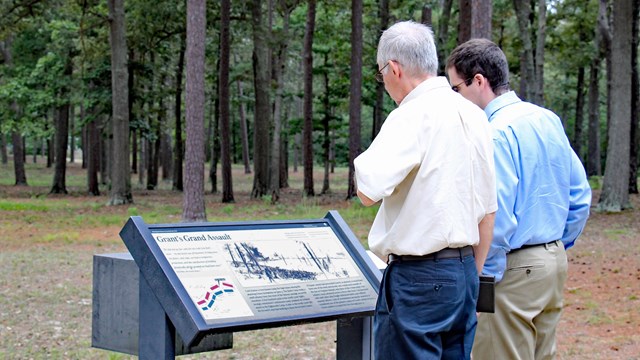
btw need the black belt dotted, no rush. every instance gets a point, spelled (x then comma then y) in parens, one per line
(526, 246)
(446, 253)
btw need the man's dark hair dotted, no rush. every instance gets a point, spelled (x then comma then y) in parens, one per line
(481, 56)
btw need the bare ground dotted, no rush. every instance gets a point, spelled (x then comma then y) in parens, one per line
(45, 287)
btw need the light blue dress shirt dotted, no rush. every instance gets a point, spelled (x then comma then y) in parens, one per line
(543, 192)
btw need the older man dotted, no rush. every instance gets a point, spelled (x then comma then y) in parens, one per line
(432, 167)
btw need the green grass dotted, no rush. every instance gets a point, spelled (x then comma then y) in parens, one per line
(615, 234)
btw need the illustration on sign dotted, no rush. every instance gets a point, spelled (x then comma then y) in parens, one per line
(286, 263)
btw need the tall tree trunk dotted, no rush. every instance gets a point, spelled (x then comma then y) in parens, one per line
(72, 138)
(179, 152)
(615, 187)
(3, 149)
(85, 136)
(262, 118)
(577, 142)
(105, 162)
(594, 162)
(355, 91)
(215, 145)
(120, 170)
(427, 15)
(475, 20)
(378, 108)
(193, 209)
(635, 104)
(16, 138)
(156, 131)
(136, 128)
(326, 119)
(284, 157)
(62, 135)
(442, 37)
(18, 159)
(527, 66)
(593, 155)
(279, 62)
(50, 148)
(154, 162)
(607, 38)
(143, 151)
(166, 156)
(307, 129)
(93, 158)
(538, 85)
(244, 134)
(225, 126)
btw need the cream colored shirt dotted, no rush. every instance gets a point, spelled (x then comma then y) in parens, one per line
(432, 166)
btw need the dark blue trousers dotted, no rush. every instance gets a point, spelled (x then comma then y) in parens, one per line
(427, 310)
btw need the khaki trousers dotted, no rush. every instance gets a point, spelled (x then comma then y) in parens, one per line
(528, 307)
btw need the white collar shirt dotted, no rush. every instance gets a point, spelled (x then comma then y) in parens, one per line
(432, 166)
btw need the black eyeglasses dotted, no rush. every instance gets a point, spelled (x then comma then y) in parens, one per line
(379, 75)
(456, 88)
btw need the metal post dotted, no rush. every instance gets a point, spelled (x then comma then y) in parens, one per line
(355, 338)
(157, 333)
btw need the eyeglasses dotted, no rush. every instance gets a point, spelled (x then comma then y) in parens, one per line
(379, 75)
(456, 88)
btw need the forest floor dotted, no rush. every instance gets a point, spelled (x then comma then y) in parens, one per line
(47, 243)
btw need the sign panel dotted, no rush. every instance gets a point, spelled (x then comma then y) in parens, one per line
(237, 276)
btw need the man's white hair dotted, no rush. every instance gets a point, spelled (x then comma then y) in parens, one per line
(410, 44)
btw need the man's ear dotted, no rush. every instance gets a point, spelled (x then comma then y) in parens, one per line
(394, 67)
(481, 80)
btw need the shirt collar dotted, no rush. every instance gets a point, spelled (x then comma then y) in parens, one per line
(425, 86)
(501, 102)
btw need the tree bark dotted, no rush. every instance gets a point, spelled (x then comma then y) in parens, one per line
(72, 138)
(18, 159)
(527, 66)
(538, 85)
(62, 135)
(262, 117)
(615, 188)
(593, 155)
(215, 145)
(155, 144)
(134, 128)
(326, 121)
(120, 170)
(378, 108)
(577, 142)
(307, 130)
(105, 162)
(635, 104)
(244, 134)
(166, 156)
(475, 20)
(355, 91)
(93, 158)
(193, 209)
(16, 137)
(225, 127)
(179, 149)
(3, 148)
(279, 67)
(442, 35)
(143, 155)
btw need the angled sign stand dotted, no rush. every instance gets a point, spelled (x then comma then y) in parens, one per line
(212, 278)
